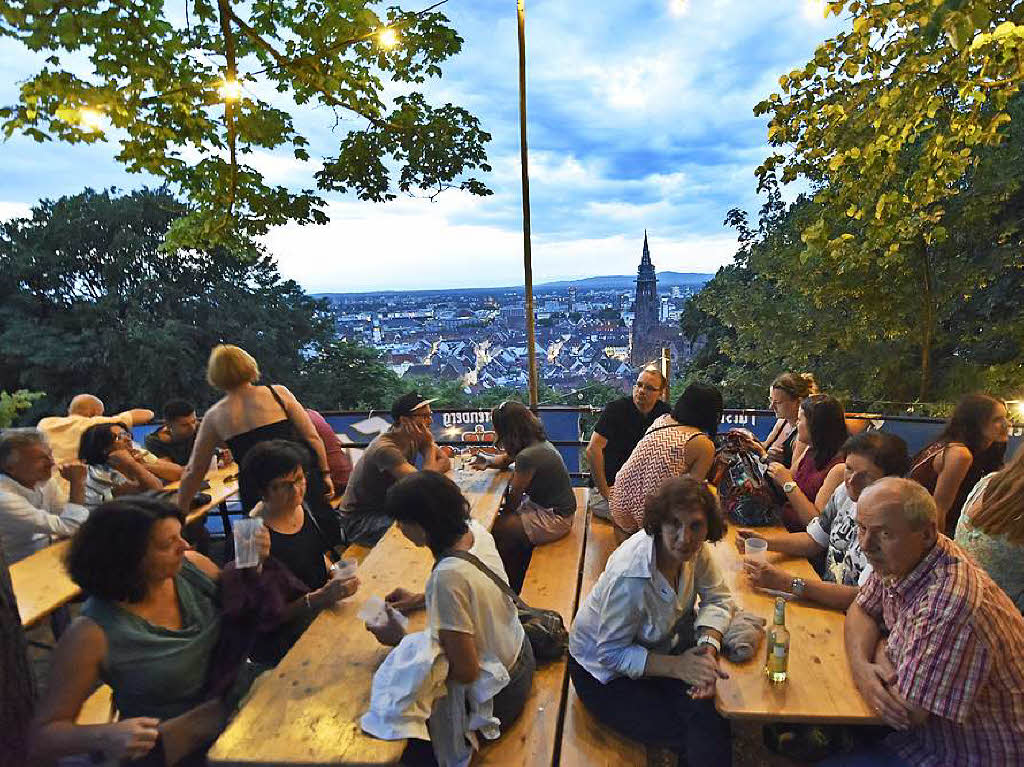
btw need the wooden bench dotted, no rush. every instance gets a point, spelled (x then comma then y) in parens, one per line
(585, 741)
(98, 707)
(552, 582)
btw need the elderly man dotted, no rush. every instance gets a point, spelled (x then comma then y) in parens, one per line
(934, 644)
(388, 458)
(32, 507)
(621, 425)
(65, 432)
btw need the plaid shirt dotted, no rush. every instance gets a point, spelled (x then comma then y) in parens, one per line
(956, 641)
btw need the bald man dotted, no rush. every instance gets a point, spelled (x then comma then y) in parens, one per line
(64, 432)
(933, 643)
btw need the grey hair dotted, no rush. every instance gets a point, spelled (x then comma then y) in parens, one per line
(13, 440)
(916, 502)
(652, 368)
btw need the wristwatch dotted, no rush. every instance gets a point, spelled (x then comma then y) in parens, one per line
(708, 639)
(797, 587)
(789, 487)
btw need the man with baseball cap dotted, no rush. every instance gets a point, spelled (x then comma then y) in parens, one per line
(390, 456)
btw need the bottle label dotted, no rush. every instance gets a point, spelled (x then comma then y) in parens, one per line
(780, 650)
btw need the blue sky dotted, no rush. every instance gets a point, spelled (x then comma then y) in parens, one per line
(640, 116)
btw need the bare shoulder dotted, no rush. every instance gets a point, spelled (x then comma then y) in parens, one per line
(956, 456)
(84, 638)
(836, 473)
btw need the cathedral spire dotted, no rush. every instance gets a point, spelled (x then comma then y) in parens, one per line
(646, 259)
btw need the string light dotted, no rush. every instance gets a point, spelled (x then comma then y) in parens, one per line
(230, 90)
(91, 119)
(387, 38)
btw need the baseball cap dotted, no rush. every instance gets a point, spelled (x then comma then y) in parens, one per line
(407, 403)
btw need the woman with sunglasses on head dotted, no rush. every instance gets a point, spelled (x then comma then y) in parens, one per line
(539, 504)
(114, 467)
(786, 393)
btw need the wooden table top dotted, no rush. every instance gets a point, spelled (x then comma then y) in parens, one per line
(41, 584)
(820, 686)
(307, 710)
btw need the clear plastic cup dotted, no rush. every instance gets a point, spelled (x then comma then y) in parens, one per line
(376, 612)
(755, 549)
(246, 550)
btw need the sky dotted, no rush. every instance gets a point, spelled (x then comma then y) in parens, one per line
(640, 116)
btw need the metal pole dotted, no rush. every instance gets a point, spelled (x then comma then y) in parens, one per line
(527, 252)
(666, 370)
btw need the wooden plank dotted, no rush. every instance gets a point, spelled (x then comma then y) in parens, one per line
(585, 741)
(552, 582)
(307, 711)
(820, 687)
(41, 584)
(98, 707)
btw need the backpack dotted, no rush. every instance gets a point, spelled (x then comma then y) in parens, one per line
(747, 495)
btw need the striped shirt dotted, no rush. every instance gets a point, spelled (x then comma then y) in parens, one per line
(955, 640)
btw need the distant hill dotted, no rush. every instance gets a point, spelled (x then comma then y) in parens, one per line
(608, 282)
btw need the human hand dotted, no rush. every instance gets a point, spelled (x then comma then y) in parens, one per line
(479, 462)
(779, 474)
(741, 539)
(328, 486)
(131, 738)
(121, 459)
(874, 682)
(389, 633)
(335, 590)
(405, 601)
(766, 576)
(73, 471)
(262, 539)
(698, 667)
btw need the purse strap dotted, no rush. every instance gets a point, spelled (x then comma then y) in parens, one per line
(505, 588)
(298, 432)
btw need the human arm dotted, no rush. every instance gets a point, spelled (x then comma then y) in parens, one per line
(517, 486)
(804, 507)
(300, 419)
(435, 459)
(501, 461)
(75, 473)
(73, 675)
(956, 462)
(139, 477)
(136, 416)
(164, 468)
(793, 544)
(19, 517)
(833, 480)
(406, 601)
(463, 660)
(206, 442)
(700, 454)
(595, 459)
(330, 593)
(768, 576)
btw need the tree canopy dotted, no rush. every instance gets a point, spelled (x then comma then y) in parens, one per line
(190, 97)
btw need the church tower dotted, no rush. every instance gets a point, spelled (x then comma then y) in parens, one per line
(643, 343)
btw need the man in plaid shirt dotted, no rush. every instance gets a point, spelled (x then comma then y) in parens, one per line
(934, 645)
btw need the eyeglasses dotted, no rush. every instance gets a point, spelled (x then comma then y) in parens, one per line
(281, 484)
(646, 387)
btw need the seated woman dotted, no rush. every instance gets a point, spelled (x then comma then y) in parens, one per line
(869, 457)
(633, 656)
(470, 617)
(272, 471)
(971, 446)
(784, 397)
(675, 444)
(148, 629)
(991, 527)
(539, 504)
(114, 467)
(821, 425)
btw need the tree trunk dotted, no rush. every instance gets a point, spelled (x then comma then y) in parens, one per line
(927, 326)
(18, 693)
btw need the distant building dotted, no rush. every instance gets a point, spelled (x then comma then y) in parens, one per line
(572, 299)
(644, 345)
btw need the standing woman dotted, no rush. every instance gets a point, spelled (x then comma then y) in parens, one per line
(247, 415)
(539, 504)
(635, 657)
(821, 425)
(971, 446)
(675, 444)
(784, 397)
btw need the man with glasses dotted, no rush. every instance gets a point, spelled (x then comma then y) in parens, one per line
(388, 458)
(621, 425)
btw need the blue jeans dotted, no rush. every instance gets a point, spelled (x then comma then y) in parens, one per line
(875, 755)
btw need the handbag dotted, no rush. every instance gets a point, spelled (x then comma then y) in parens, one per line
(544, 628)
(748, 497)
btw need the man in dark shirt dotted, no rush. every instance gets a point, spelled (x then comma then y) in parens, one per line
(175, 438)
(621, 425)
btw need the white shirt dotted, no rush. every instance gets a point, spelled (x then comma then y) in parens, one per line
(30, 516)
(633, 609)
(100, 483)
(461, 598)
(835, 530)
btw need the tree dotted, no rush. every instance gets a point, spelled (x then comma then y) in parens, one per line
(91, 302)
(153, 86)
(889, 121)
(13, 404)
(346, 376)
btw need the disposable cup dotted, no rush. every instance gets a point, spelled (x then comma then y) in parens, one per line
(344, 569)
(246, 550)
(755, 549)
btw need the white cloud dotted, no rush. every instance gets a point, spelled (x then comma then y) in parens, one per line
(9, 210)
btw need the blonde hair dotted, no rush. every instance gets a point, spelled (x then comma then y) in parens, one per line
(1001, 507)
(231, 366)
(796, 385)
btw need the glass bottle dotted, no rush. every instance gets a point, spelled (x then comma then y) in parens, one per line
(777, 655)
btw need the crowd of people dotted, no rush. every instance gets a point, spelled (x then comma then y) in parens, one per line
(923, 554)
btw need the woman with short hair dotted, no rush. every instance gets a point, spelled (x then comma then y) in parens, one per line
(635, 658)
(676, 444)
(539, 503)
(467, 614)
(114, 468)
(970, 446)
(148, 629)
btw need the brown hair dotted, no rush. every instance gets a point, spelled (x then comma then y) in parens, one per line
(1001, 511)
(517, 427)
(796, 385)
(687, 493)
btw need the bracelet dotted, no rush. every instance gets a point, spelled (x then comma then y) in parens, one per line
(710, 640)
(308, 605)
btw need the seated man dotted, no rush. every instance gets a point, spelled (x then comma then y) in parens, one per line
(933, 643)
(32, 507)
(621, 425)
(173, 441)
(869, 457)
(63, 433)
(390, 456)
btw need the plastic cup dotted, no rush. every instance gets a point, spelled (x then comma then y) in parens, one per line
(246, 550)
(755, 549)
(344, 569)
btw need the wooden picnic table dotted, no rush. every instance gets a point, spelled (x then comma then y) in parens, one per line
(42, 585)
(307, 710)
(820, 686)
